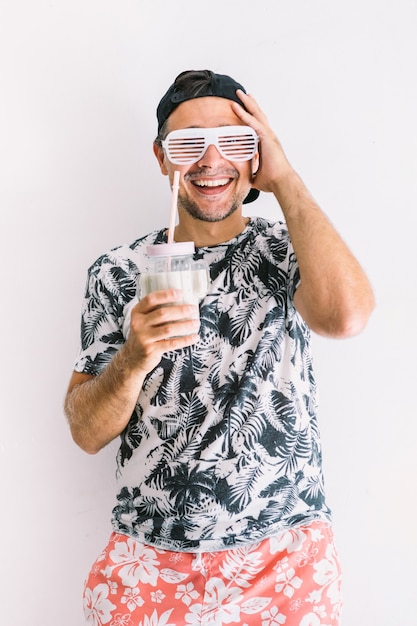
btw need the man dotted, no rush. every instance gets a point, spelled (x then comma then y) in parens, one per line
(220, 515)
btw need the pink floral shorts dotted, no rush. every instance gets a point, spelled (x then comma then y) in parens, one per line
(292, 578)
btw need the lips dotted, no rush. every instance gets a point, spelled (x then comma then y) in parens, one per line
(210, 186)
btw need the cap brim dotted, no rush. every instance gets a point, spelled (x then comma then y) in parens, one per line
(252, 195)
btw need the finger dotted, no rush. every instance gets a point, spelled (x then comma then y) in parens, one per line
(172, 313)
(176, 343)
(151, 341)
(252, 107)
(159, 298)
(163, 323)
(149, 353)
(170, 329)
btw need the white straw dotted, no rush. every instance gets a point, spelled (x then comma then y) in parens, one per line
(173, 213)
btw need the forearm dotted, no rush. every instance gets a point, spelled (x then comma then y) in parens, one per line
(335, 296)
(98, 409)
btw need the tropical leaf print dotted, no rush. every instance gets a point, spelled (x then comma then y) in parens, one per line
(114, 338)
(294, 450)
(170, 386)
(312, 489)
(301, 354)
(243, 268)
(246, 482)
(256, 605)
(209, 341)
(191, 415)
(268, 352)
(275, 250)
(223, 445)
(99, 362)
(172, 575)
(92, 325)
(131, 437)
(236, 392)
(157, 620)
(188, 487)
(281, 504)
(242, 565)
(239, 328)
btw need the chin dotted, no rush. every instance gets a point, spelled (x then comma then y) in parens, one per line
(215, 214)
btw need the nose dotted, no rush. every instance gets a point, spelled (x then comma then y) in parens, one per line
(210, 157)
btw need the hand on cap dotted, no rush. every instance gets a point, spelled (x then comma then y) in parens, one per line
(274, 165)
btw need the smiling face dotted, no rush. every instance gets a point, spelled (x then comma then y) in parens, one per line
(213, 188)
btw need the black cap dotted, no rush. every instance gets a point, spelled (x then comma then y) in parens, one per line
(218, 85)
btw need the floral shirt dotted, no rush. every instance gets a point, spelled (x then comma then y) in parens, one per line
(223, 446)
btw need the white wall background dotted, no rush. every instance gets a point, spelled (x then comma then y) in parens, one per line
(79, 84)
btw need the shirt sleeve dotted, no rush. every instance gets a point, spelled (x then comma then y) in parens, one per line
(294, 279)
(101, 316)
(286, 258)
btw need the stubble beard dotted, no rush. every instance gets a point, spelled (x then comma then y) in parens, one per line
(217, 214)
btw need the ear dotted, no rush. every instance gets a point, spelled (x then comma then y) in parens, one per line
(160, 156)
(255, 164)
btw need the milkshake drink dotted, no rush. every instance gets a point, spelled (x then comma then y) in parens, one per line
(171, 266)
(192, 282)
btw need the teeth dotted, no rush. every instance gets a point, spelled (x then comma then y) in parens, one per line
(212, 183)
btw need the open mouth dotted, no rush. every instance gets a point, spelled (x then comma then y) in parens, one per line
(211, 186)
